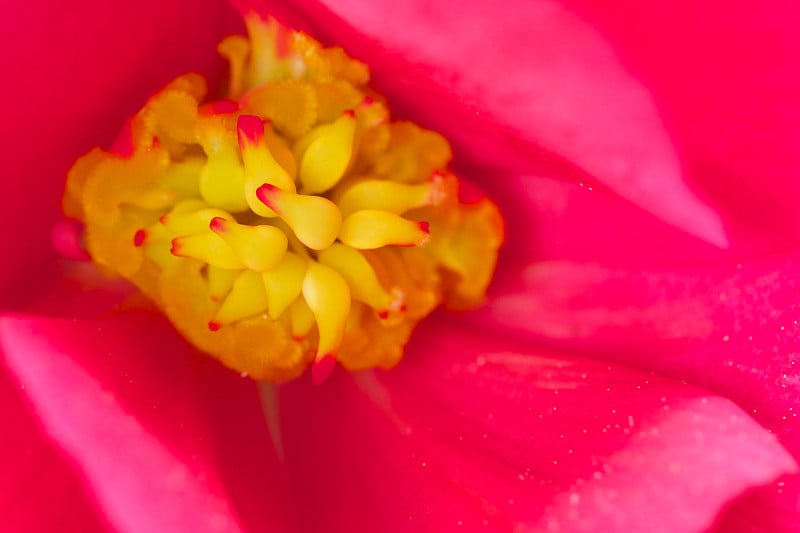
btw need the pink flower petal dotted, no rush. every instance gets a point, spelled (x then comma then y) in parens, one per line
(509, 82)
(73, 72)
(39, 491)
(732, 329)
(471, 431)
(727, 77)
(774, 508)
(167, 440)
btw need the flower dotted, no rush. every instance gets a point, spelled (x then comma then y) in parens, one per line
(564, 402)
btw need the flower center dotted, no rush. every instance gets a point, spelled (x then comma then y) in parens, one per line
(293, 223)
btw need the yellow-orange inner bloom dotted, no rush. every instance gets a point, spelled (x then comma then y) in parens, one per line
(290, 224)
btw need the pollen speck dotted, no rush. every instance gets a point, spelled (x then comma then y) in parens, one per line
(290, 224)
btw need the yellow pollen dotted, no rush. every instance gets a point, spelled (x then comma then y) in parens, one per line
(291, 224)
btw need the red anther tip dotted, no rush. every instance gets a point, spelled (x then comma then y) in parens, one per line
(217, 224)
(349, 113)
(175, 248)
(322, 369)
(425, 227)
(367, 101)
(250, 129)
(139, 237)
(383, 315)
(265, 193)
(213, 326)
(403, 308)
(163, 219)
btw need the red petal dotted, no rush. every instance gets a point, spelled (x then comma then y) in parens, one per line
(470, 431)
(510, 81)
(167, 440)
(73, 72)
(732, 329)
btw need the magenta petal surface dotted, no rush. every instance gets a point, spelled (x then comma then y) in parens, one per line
(726, 76)
(510, 83)
(71, 74)
(732, 328)
(471, 432)
(773, 508)
(39, 491)
(166, 440)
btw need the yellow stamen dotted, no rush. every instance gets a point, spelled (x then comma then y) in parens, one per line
(362, 279)
(208, 248)
(314, 219)
(328, 297)
(391, 196)
(247, 297)
(290, 223)
(370, 228)
(260, 248)
(260, 166)
(284, 283)
(327, 155)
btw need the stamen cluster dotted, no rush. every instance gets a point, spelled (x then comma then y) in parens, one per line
(291, 222)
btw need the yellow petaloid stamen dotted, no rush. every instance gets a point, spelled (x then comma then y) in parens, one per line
(291, 224)
(259, 164)
(259, 247)
(362, 279)
(328, 298)
(284, 283)
(391, 196)
(328, 154)
(314, 219)
(370, 228)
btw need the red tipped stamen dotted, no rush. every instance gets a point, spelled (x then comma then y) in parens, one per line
(383, 315)
(425, 227)
(250, 129)
(266, 193)
(349, 113)
(213, 326)
(217, 225)
(139, 237)
(322, 369)
(175, 248)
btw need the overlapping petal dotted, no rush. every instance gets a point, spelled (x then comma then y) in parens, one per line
(731, 328)
(471, 431)
(166, 440)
